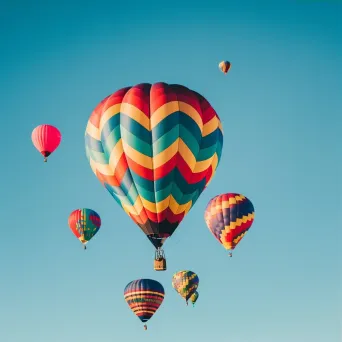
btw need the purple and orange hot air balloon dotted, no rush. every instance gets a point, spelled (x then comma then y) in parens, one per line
(46, 139)
(229, 217)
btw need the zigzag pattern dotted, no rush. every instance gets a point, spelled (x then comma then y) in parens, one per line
(229, 217)
(155, 148)
(144, 296)
(185, 283)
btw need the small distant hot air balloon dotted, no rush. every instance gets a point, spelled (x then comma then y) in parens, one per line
(225, 66)
(194, 297)
(185, 283)
(84, 223)
(46, 139)
(229, 217)
(144, 296)
(155, 148)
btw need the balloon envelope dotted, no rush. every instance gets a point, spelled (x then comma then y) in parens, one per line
(229, 217)
(225, 66)
(185, 283)
(193, 298)
(46, 139)
(84, 223)
(154, 148)
(144, 296)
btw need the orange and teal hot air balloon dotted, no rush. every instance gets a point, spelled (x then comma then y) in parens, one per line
(185, 283)
(194, 297)
(144, 297)
(155, 148)
(84, 223)
(46, 139)
(225, 66)
(229, 217)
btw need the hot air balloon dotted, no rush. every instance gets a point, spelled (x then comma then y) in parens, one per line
(193, 298)
(185, 283)
(144, 296)
(84, 223)
(46, 139)
(155, 148)
(225, 66)
(228, 217)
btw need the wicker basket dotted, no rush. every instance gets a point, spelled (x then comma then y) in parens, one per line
(160, 264)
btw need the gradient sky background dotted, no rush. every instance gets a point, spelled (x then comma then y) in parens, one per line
(281, 111)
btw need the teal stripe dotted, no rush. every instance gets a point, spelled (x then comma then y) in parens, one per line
(136, 143)
(111, 140)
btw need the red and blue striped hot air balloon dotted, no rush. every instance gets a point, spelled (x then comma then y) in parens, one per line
(155, 148)
(229, 217)
(144, 296)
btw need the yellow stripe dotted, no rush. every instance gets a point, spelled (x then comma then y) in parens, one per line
(232, 200)
(163, 112)
(138, 157)
(169, 108)
(210, 126)
(93, 131)
(115, 155)
(232, 226)
(163, 157)
(105, 169)
(109, 113)
(143, 292)
(187, 155)
(192, 113)
(144, 310)
(135, 114)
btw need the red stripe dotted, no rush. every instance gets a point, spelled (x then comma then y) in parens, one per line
(139, 96)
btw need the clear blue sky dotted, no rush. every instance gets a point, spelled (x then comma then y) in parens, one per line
(281, 111)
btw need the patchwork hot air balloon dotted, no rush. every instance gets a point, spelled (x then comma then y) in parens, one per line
(185, 283)
(144, 297)
(225, 66)
(229, 217)
(46, 139)
(194, 297)
(155, 148)
(84, 223)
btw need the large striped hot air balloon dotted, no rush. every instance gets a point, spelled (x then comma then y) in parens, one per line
(185, 283)
(144, 296)
(46, 139)
(154, 148)
(84, 223)
(229, 217)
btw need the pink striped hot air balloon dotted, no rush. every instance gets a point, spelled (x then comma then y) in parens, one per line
(46, 139)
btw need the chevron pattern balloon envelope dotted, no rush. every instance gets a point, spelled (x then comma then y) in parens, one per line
(229, 217)
(154, 148)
